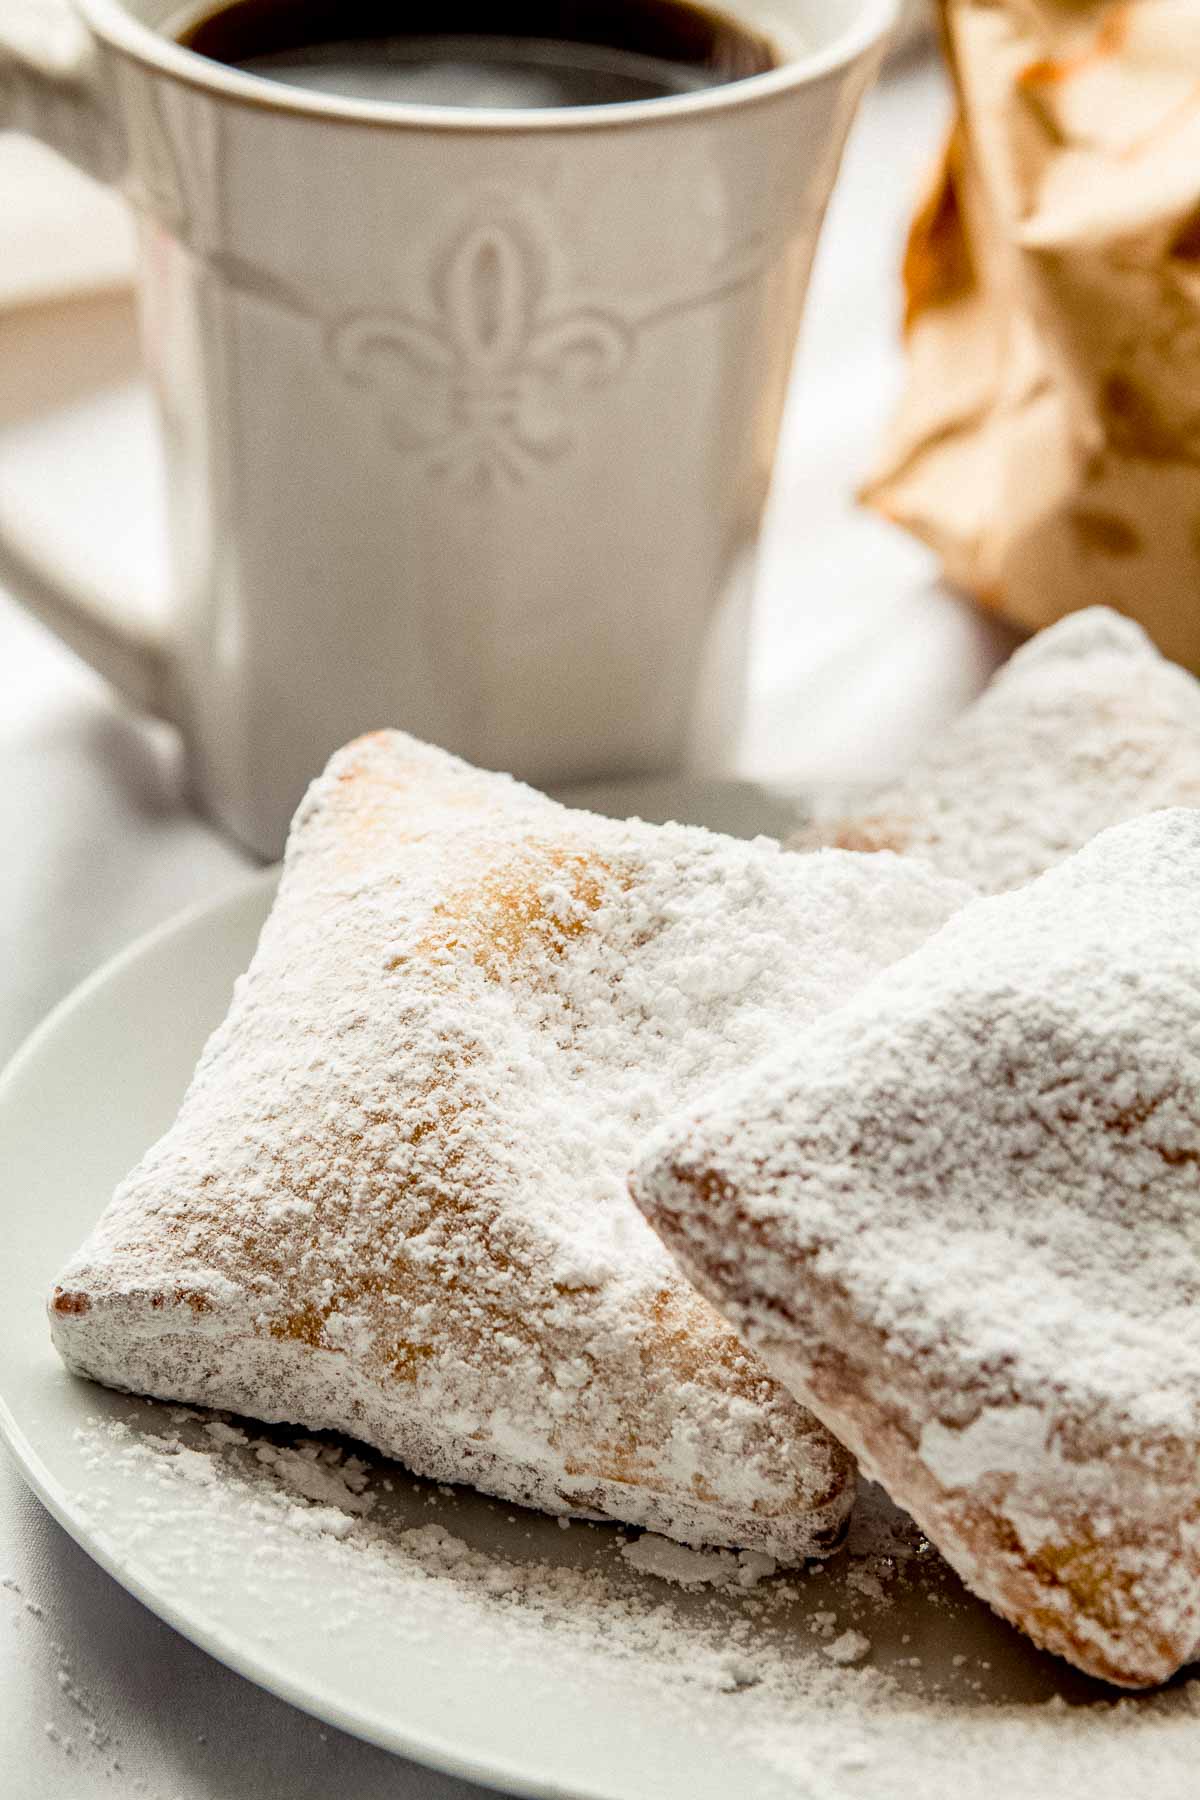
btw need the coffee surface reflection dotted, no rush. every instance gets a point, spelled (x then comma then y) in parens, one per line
(592, 53)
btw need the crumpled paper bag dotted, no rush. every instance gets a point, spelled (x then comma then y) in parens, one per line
(1048, 442)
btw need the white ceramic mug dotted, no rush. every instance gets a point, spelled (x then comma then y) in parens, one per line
(469, 415)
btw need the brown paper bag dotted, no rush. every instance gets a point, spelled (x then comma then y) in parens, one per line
(1048, 443)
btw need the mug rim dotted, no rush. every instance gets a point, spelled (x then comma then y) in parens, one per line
(112, 22)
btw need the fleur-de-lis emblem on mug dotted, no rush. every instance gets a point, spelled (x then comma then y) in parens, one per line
(487, 387)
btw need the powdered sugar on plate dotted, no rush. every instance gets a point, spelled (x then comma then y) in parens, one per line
(783, 1712)
(848, 1647)
(655, 1555)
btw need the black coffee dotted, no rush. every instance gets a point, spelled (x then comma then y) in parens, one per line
(573, 53)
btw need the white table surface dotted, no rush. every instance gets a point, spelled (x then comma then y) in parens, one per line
(858, 656)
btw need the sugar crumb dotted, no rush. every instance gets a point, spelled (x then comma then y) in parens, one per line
(850, 1647)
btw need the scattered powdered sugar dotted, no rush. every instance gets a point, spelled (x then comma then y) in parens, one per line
(320, 1472)
(655, 1555)
(978, 1181)
(727, 1681)
(1084, 727)
(864, 1582)
(395, 1201)
(848, 1647)
(85, 1740)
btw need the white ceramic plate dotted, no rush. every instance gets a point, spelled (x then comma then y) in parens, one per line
(431, 1673)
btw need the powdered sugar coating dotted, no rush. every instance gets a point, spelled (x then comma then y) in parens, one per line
(962, 1221)
(1085, 726)
(394, 1199)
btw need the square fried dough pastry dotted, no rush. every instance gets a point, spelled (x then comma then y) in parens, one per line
(395, 1200)
(961, 1221)
(1085, 726)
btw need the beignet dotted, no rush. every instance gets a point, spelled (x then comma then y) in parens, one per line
(960, 1219)
(394, 1200)
(1085, 726)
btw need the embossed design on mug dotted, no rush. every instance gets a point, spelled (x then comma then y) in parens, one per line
(484, 387)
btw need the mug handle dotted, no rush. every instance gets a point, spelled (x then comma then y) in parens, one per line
(51, 88)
